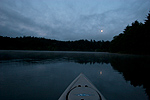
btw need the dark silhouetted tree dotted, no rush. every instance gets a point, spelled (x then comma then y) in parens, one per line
(134, 39)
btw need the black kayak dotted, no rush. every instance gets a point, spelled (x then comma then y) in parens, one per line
(81, 89)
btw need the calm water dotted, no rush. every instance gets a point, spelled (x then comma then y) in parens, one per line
(43, 75)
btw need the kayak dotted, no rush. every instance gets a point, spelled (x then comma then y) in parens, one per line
(81, 89)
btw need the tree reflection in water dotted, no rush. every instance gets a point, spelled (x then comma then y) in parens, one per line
(134, 68)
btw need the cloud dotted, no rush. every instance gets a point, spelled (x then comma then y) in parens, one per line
(69, 19)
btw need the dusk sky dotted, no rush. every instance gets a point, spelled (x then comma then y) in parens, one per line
(70, 19)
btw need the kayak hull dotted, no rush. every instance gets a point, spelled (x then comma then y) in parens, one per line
(81, 89)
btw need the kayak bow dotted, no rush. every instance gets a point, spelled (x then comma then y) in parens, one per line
(81, 89)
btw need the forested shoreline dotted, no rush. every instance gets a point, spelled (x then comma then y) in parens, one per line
(135, 39)
(35, 43)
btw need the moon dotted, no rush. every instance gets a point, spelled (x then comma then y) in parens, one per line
(101, 30)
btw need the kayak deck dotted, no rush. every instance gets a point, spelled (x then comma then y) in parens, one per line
(81, 89)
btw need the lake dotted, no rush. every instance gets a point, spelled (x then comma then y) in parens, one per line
(44, 75)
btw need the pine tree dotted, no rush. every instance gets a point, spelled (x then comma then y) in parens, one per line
(147, 22)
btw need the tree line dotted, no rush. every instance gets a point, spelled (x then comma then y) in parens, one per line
(35, 43)
(135, 39)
